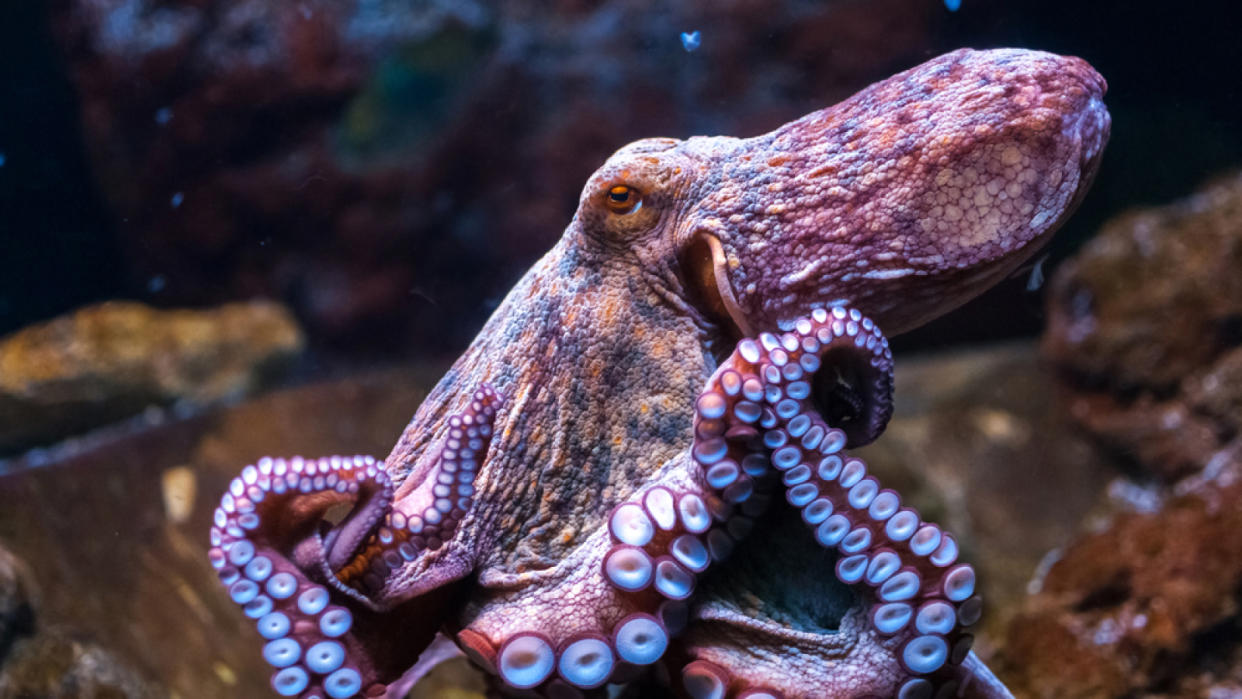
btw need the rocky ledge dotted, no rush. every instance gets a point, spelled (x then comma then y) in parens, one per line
(103, 363)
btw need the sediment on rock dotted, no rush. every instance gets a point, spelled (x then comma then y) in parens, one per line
(105, 362)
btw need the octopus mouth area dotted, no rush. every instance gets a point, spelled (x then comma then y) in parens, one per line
(842, 393)
(337, 549)
(802, 599)
(338, 553)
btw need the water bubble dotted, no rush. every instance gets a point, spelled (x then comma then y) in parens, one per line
(952, 5)
(156, 284)
(177, 199)
(163, 115)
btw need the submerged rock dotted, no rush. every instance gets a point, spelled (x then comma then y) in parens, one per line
(52, 662)
(106, 362)
(1145, 326)
(17, 604)
(115, 536)
(1144, 331)
(56, 665)
(1148, 604)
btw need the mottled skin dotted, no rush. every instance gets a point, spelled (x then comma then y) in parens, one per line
(912, 196)
(903, 202)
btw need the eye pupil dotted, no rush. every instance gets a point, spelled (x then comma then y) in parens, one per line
(623, 199)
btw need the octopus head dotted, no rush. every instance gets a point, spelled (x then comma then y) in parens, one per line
(904, 201)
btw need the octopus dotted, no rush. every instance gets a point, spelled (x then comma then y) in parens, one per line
(641, 467)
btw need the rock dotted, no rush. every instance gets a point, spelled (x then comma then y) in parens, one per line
(17, 604)
(386, 166)
(1155, 295)
(105, 362)
(52, 662)
(55, 665)
(1144, 332)
(1148, 602)
(116, 533)
(1144, 327)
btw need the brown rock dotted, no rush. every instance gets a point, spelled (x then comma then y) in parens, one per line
(1144, 331)
(1217, 391)
(56, 665)
(1150, 601)
(1164, 438)
(105, 362)
(1155, 295)
(17, 603)
(116, 534)
(1144, 324)
(52, 662)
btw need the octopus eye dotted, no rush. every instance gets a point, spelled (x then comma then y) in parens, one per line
(623, 199)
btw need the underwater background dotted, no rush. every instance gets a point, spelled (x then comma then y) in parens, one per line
(394, 168)
(329, 198)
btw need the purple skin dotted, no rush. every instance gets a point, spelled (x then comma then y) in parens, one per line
(554, 500)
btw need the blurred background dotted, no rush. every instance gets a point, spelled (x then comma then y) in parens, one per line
(237, 227)
(389, 169)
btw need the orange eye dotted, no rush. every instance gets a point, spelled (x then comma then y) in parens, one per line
(623, 199)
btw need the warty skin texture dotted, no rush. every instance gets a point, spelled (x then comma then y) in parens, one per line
(905, 201)
(914, 195)
(902, 202)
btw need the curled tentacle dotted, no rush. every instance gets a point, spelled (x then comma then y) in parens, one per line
(612, 607)
(426, 523)
(265, 547)
(766, 391)
(309, 591)
(658, 544)
(616, 603)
